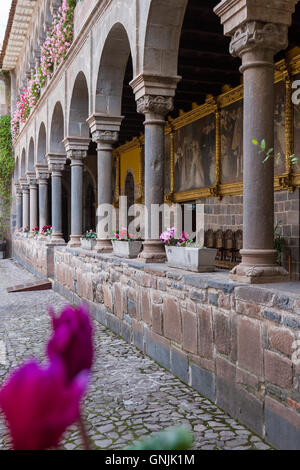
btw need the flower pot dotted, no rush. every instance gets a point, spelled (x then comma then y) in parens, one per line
(2, 249)
(191, 258)
(127, 249)
(88, 244)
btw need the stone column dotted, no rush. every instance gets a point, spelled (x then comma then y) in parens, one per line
(25, 208)
(258, 32)
(33, 188)
(76, 149)
(19, 203)
(105, 132)
(42, 174)
(154, 96)
(56, 165)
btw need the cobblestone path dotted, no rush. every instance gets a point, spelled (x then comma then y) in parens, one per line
(130, 395)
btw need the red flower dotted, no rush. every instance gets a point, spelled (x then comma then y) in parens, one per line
(39, 405)
(72, 340)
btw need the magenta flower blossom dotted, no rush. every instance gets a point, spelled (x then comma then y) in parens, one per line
(72, 340)
(39, 405)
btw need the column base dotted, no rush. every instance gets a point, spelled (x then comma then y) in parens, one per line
(153, 252)
(57, 239)
(103, 246)
(75, 241)
(259, 267)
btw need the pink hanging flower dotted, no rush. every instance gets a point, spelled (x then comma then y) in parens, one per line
(72, 340)
(39, 405)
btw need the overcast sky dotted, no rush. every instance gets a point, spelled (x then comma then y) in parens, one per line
(4, 12)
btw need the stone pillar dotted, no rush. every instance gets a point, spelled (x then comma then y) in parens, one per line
(25, 208)
(33, 190)
(258, 33)
(19, 204)
(154, 97)
(56, 165)
(76, 149)
(105, 132)
(42, 174)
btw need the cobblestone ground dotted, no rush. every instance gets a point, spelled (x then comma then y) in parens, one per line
(130, 396)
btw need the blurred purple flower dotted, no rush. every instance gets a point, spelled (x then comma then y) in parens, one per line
(72, 340)
(39, 405)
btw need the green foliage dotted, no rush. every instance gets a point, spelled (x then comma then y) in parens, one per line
(7, 165)
(270, 153)
(179, 438)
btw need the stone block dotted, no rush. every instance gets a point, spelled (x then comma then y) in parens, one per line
(250, 354)
(179, 364)
(282, 425)
(203, 381)
(126, 332)
(172, 320)
(213, 299)
(145, 307)
(107, 295)
(131, 308)
(273, 316)
(158, 348)
(248, 309)
(222, 332)
(157, 324)
(283, 302)
(198, 295)
(206, 364)
(113, 323)
(281, 340)
(253, 294)
(190, 331)
(118, 303)
(278, 370)
(138, 335)
(291, 322)
(205, 333)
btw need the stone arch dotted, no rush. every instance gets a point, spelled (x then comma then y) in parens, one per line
(111, 72)
(79, 108)
(162, 37)
(42, 146)
(57, 129)
(30, 163)
(23, 163)
(17, 170)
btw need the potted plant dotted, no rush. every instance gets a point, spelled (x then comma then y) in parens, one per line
(26, 232)
(124, 246)
(183, 253)
(35, 232)
(47, 231)
(89, 240)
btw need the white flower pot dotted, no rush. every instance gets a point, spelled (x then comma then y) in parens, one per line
(128, 250)
(191, 258)
(88, 244)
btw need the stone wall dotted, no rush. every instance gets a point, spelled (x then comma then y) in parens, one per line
(233, 343)
(37, 257)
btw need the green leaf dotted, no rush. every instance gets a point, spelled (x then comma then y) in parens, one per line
(266, 159)
(179, 438)
(263, 145)
(254, 141)
(270, 151)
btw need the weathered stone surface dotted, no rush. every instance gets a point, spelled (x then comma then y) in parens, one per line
(157, 319)
(281, 339)
(172, 320)
(145, 307)
(282, 426)
(179, 364)
(222, 332)
(250, 354)
(205, 332)
(190, 331)
(278, 370)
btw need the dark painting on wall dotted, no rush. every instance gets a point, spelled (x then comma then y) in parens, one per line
(167, 164)
(279, 127)
(232, 143)
(195, 155)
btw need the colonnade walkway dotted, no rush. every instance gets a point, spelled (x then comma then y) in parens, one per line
(129, 397)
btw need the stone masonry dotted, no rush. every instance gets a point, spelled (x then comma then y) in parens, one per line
(231, 342)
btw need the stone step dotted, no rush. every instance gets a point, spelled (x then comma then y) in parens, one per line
(41, 284)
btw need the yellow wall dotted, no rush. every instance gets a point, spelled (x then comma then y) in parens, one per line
(130, 160)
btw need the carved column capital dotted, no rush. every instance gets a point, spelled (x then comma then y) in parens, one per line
(56, 163)
(161, 105)
(258, 35)
(42, 173)
(105, 137)
(76, 149)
